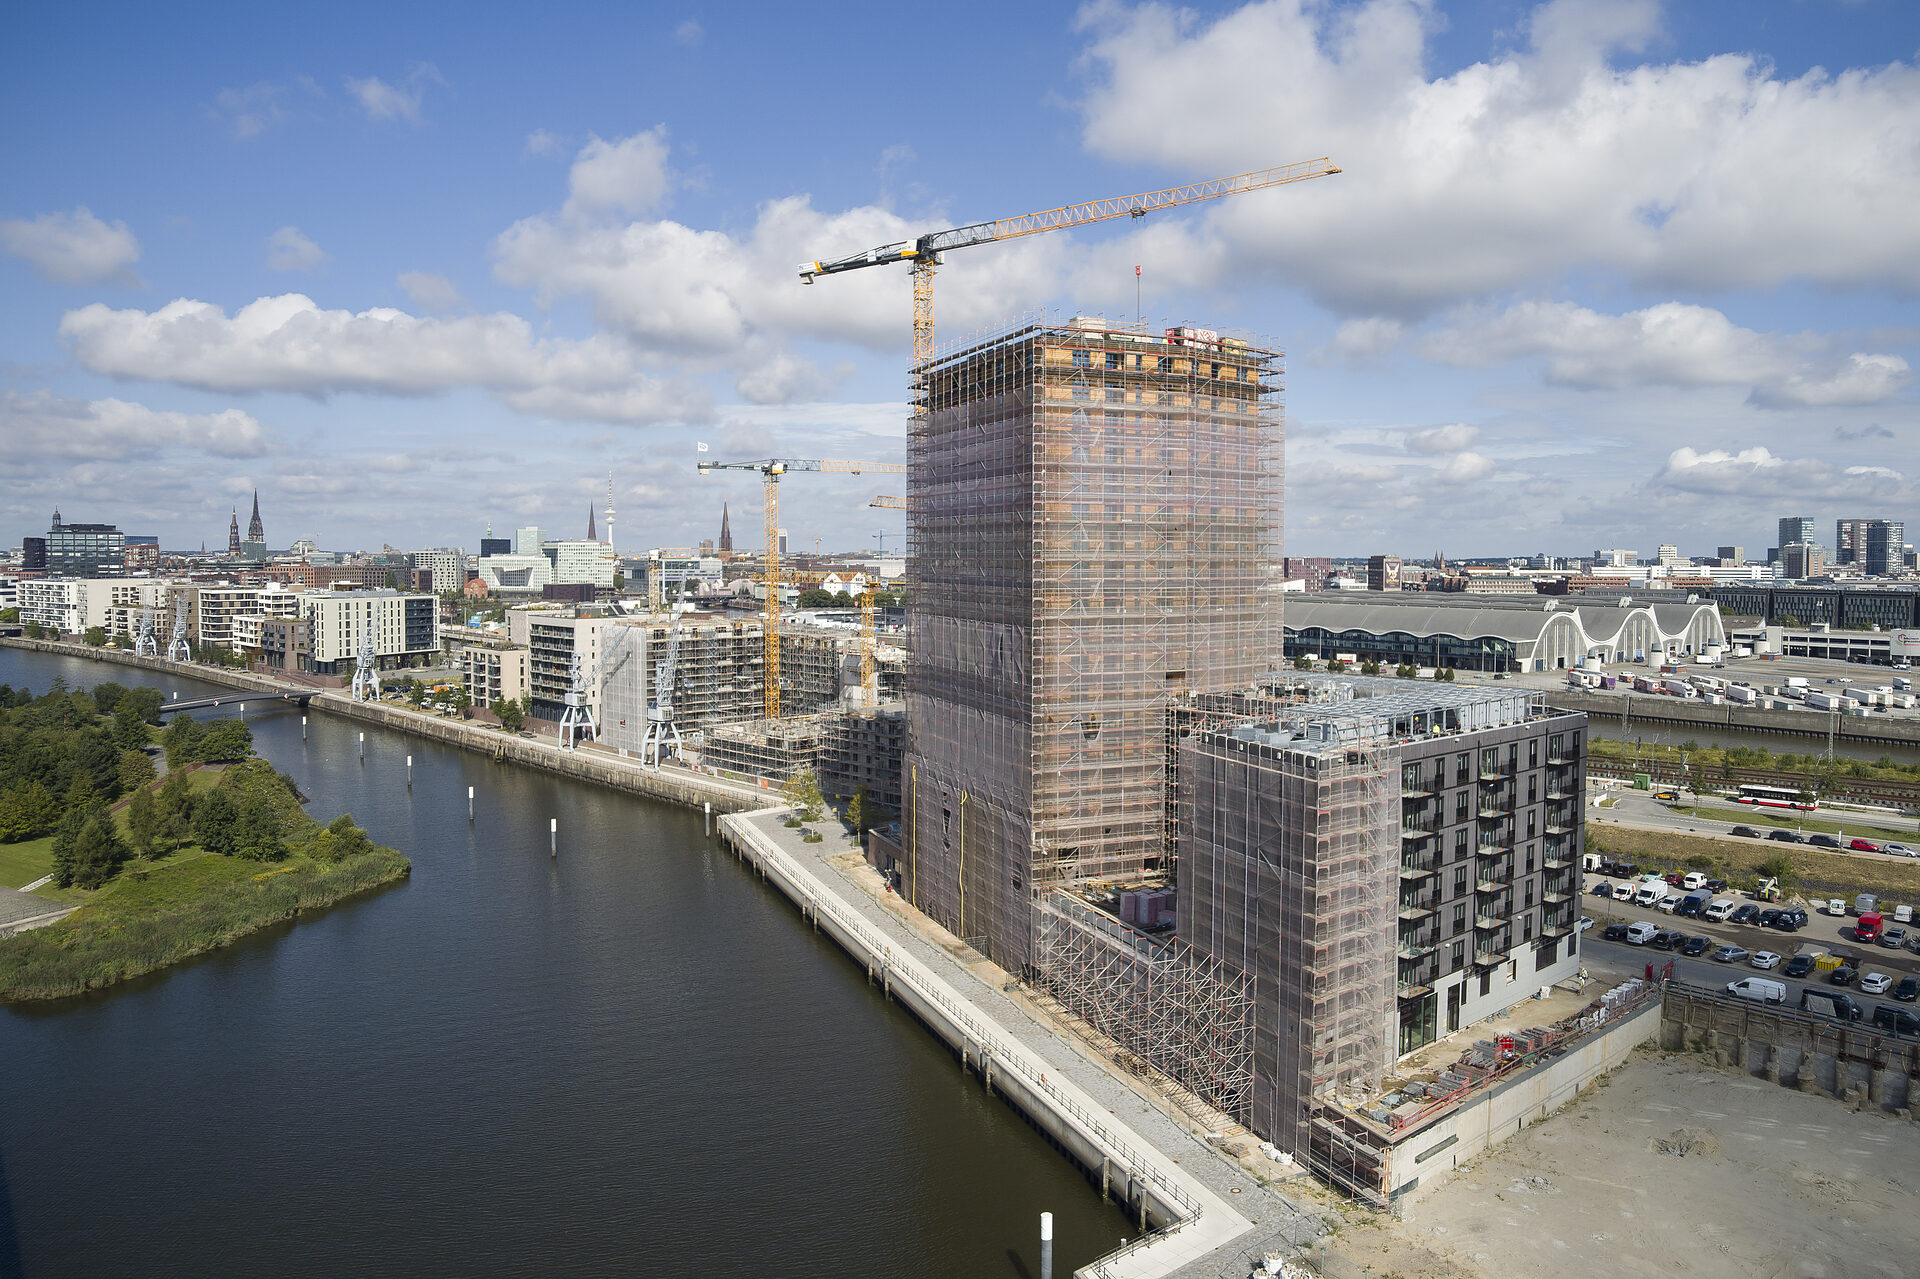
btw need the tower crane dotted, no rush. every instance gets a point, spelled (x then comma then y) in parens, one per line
(771, 469)
(924, 252)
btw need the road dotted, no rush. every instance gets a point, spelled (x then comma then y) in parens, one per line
(1705, 972)
(1641, 811)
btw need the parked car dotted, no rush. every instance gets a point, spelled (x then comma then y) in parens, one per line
(1668, 939)
(1729, 954)
(1894, 938)
(1908, 990)
(1898, 1020)
(1791, 920)
(1902, 850)
(1798, 966)
(1765, 959)
(1863, 846)
(1675, 878)
(1586, 922)
(1786, 836)
(1602, 889)
(1696, 946)
(1666, 794)
(1768, 916)
(1824, 841)
(1875, 984)
(1746, 832)
(1843, 975)
(1746, 914)
(1715, 885)
(1614, 932)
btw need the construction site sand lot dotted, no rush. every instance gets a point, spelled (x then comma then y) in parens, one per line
(1665, 1167)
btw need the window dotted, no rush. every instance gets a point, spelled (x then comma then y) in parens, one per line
(1460, 919)
(1529, 871)
(1166, 364)
(1459, 843)
(1460, 806)
(1459, 956)
(1460, 882)
(1532, 791)
(1082, 358)
(1460, 777)
(1486, 982)
(1533, 753)
(1531, 818)
(1113, 359)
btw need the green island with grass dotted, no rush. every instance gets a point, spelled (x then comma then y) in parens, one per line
(159, 871)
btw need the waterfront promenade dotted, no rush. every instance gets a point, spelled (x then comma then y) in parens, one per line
(1210, 1217)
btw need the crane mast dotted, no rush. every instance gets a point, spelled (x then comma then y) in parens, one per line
(771, 469)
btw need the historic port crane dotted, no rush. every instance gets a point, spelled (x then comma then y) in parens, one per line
(771, 469)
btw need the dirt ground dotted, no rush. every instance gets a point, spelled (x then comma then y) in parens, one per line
(1665, 1167)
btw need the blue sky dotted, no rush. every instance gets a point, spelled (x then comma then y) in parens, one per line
(1596, 273)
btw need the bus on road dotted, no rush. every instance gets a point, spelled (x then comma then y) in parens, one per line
(1776, 797)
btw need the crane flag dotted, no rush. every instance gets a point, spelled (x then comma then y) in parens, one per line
(701, 447)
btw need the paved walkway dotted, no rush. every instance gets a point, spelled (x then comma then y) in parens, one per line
(1248, 1220)
(20, 911)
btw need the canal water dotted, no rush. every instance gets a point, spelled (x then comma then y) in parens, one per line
(632, 1059)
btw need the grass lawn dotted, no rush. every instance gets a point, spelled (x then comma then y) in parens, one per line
(1816, 873)
(28, 860)
(22, 863)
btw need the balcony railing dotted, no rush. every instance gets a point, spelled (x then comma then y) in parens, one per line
(1418, 908)
(1413, 989)
(1492, 850)
(1489, 923)
(1415, 947)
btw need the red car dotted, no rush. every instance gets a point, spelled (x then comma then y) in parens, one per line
(1864, 846)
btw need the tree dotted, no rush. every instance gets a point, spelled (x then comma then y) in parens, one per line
(27, 812)
(463, 701)
(816, 598)
(508, 713)
(174, 816)
(842, 599)
(98, 850)
(802, 793)
(9, 614)
(136, 771)
(143, 702)
(256, 832)
(65, 836)
(36, 631)
(181, 741)
(1303, 663)
(416, 691)
(857, 815)
(214, 819)
(226, 741)
(96, 636)
(107, 696)
(143, 821)
(129, 729)
(341, 839)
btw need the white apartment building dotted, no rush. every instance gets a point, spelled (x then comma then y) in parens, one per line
(128, 598)
(215, 610)
(66, 605)
(402, 626)
(449, 568)
(495, 672)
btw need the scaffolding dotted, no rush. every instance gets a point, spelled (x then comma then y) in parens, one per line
(770, 749)
(1094, 521)
(1155, 1002)
(1290, 842)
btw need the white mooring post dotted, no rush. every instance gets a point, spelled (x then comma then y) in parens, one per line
(303, 728)
(363, 748)
(709, 819)
(409, 772)
(553, 837)
(1046, 1245)
(469, 805)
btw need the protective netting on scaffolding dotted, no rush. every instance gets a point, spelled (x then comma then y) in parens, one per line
(1156, 1001)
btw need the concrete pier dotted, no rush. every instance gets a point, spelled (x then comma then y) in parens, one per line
(1188, 1221)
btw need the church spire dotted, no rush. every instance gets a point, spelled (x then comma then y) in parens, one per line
(233, 533)
(256, 532)
(726, 533)
(592, 536)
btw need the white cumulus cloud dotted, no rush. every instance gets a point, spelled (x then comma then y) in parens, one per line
(431, 292)
(1441, 440)
(628, 175)
(40, 424)
(1757, 472)
(287, 343)
(383, 101)
(1672, 344)
(72, 248)
(1553, 156)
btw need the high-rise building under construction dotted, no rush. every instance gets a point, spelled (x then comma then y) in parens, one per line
(1095, 528)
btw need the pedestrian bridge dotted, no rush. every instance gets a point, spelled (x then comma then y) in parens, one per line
(299, 699)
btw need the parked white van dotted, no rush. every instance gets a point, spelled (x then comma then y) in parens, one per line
(1759, 989)
(1695, 879)
(1623, 892)
(1649, 894)
(1641, 933)
(1718, 908)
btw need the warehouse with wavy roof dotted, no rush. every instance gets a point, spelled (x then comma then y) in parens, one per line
(1482, 634)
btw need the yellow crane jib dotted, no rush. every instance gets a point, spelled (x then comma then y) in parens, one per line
(771, 469)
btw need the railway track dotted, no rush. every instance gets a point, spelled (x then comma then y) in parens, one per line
(1862, 790)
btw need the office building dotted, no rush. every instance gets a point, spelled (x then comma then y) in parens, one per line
(1383, 573)
(446, 569)
(586, 563)
(84, 550)
(1731, 556)
(515, 574)
(1886, 548)
(529, 540)
(1800, 560)
(1095, 522)
(1797, 529)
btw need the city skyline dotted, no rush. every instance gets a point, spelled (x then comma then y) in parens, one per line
(409, 276)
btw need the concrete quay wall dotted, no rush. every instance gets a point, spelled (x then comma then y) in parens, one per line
(1187, 1220)
(674, 785)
